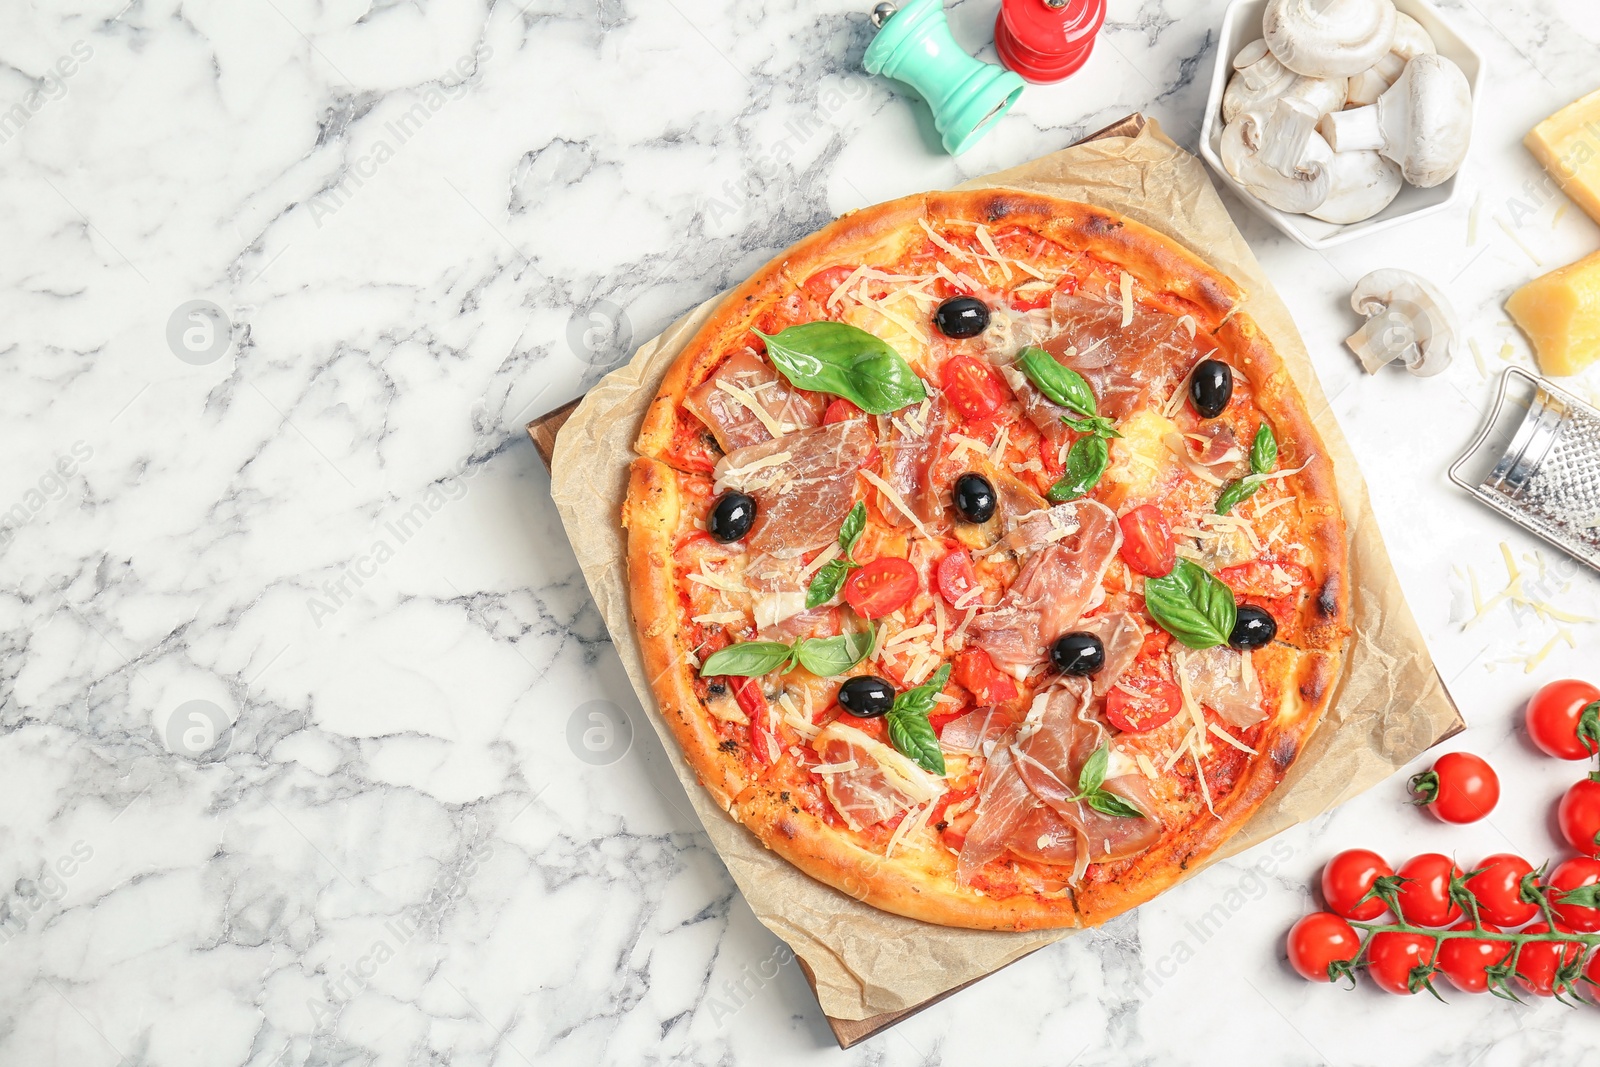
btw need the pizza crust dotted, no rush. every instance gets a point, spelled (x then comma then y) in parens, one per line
(919, 882)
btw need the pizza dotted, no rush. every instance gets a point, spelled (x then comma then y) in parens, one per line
(985, 561)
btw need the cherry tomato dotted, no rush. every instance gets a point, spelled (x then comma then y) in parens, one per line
(1042, 296)
(1318, 941)
(1592, 972)
(823, 283)
(973, 386)
(1576, 876)
(1346, 880)
(956, 578)
(1466, 960)
(1147, 544)
(974, 671)
(1563, 716)
(1425, 898)
(1400, 962)
(1579, 816)
(1498, 887)
(747, 691)
(841, 410)
(881, 586)
(1542, 964)
(1460, 788)
(1157, 703)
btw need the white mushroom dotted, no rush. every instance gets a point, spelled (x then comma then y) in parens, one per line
(1280, 159)
(1423, 122)
(1364, 183)
(1260, 80)
(1407, 318)
(1410, 41)
(1329, 38)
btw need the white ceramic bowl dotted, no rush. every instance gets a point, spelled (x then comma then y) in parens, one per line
(1240, 26)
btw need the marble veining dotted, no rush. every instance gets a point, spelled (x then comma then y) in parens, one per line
(314, 748)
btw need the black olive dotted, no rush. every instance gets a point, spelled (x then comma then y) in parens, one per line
(866, 697)
(1211, 387)
(962, 316)
(1078, 653)
(974, 497)
(1252, 629)
(731, 516)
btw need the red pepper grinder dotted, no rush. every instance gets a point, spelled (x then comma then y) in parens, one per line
(1046, 40)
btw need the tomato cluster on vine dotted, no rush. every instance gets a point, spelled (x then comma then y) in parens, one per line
(1502, 926)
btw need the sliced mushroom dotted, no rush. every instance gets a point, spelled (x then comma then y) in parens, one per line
(1423, 121)
(1407, 318)
(1280, 159)
(1364, 183)
(1410, 41)
(1260, 80)
(1329, 38)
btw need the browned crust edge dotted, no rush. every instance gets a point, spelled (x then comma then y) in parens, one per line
(650, 515)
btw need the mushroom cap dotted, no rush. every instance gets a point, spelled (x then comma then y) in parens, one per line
(1407, 317)
(1440, 129)
(1300, 191)
(1329, 38)
(1364, 183)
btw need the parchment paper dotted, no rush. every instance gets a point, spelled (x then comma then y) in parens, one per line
(1388, 707)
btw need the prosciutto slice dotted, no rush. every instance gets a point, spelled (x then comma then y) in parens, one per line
(803, 484)
(1057, 584)
(1121, 636)
(1216, 678)
(881, 784)
(1125, 365)
(723, 402)
(1004, 802)
(908, 467)
(976, 730)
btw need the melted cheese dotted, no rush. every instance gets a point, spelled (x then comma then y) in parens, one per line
(902, 774)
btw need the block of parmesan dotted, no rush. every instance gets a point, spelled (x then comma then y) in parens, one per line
(1567, 145)
(1560, 313)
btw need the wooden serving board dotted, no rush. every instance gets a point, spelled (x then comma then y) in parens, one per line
(847, 1032)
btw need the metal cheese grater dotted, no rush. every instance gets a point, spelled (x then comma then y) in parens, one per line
(1548, 478)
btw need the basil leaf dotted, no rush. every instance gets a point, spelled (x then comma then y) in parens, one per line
(1086, 462)
(826, 582)
(1235, 493)
(826, 657)
(1191, 605)
(1098, 425)
(1111, 804)
(851, 529)
(847, 361)
(1094, 769)
(919, 700)
(1060, 385)
(1264, 451)
(912, 735)
(748, 659)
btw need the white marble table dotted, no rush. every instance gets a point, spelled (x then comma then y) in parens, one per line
(415, 226)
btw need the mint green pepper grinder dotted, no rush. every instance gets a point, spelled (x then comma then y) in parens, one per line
(914, 45)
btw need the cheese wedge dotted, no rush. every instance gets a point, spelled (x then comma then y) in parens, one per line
(1560, 313)
(1567, 145)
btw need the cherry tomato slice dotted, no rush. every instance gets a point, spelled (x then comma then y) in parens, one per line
(956, 577)
(1498, 887)
(1147, 544)
(1317, 942)
(1425, 896)
(973, 386)
(1579, 816)
(1556, 713)
(1579, 876)
(1268, 579)
(1400, 962)
(1156, 704)
(1346, 880)
(1466, 960)
(747, 691)
(822, 284)
(1461, 788)
(880, 587)
(975, 672)
(841, 410)
(1040, 296)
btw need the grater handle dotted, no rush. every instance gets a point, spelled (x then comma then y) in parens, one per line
(1488, 425)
